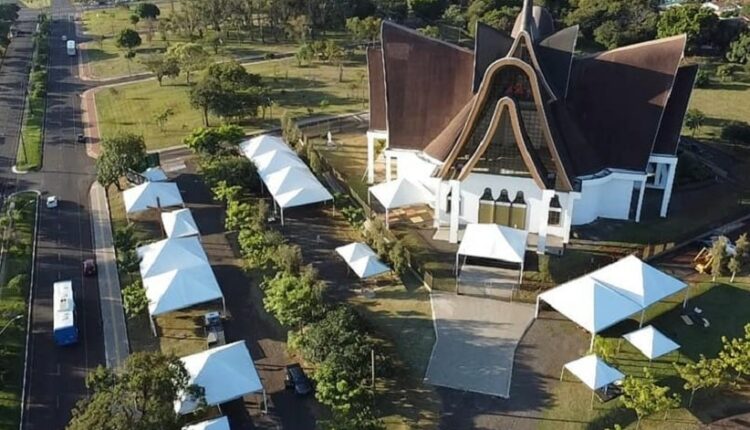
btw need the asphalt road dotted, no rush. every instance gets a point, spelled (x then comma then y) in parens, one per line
(56, 375)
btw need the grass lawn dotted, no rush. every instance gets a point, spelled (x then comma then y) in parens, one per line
(104, 59)
(30, 153)
(16, 261)
(180, 332)
(132, 108)
(721, 303)
(31, 4)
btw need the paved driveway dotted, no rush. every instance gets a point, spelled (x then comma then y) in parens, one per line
(476, 342)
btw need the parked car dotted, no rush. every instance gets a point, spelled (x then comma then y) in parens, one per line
(51, 202)
(89, 267)
(64, 38)
(297, 379)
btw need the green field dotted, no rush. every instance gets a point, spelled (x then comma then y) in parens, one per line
(132, 108)
(105, 60)
(16, 260)
(31, 4)
(30, 151)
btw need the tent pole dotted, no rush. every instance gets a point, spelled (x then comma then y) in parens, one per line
(687, 294)
(562, 372)
(536, 312)
(153, 324)
(224, 304)
(592, 399)
(455, 266)
(282, 217)
(591, 346)
(265, 402)
(643, 314)
(387, 226)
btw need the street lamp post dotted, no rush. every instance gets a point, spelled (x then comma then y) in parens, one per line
(15, 318)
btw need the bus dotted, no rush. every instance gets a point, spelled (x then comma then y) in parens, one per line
(64, 331)
(71, 45)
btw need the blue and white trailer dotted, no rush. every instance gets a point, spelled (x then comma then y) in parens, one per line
(65, 331)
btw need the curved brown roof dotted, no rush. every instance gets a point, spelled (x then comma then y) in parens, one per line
(674, 114)
(377, 89)
(556, 58)
(441, 146)
(428, 82)
(489, 45)
(619, 97)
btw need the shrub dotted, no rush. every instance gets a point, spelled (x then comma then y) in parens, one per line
(736, 132)
(18, 283)
(288, 258)
(294, 300)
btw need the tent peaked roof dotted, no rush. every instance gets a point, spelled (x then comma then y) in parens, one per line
(401, 192)
(355, 251)
(154, 174)
(638, 281)
(594, 372)
(651, 342)
(312, 193)
(590, 304)
(277, 159)
(226, 373)
(179, 223)
(494, 241)
(181, 288)
(261, 144)
(287, 179)
(217, 424)
(362, 260)
(170, 254)
(150, 195)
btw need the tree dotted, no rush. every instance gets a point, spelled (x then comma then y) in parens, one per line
(119, 154)
(705, 373)
(454, 16)
(645, 397)
(398, 258)
(191, 57)
(734, 266)
(694, 20)
(726, 72)
(232, 73)
(361, 419)
(258, 246)
(161, 66)
(614, 23)
(288, 259)
(500, 17)
(228, 91)
(138, 396)
(718, 254)
(735, 354)
(364, 29)
(294, 300)
(135, 19)
(124, 237)
(134, 299)
(214, 141)
(430, 31)
(147, 10)
(742, 247)
(739, 50)
(128, 39)
(694, 120)
(235, 170)
(128, 260)
(736, 132)
(226, 193)
(304, 54)
(702, 79)
(162, 117)
(298, 28)
(428, 9)
(392, 9)
(237, 215)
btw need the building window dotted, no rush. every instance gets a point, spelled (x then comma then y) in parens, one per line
(554, 216)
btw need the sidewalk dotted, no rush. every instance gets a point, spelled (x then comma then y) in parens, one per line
(115, 331)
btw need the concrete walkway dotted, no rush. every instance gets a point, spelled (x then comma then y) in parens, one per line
(115, 331)
(476, 340)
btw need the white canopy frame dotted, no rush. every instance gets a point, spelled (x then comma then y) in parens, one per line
(361, 259)
(399, 193)
(151, 195)
(651, 342)
(593, 372)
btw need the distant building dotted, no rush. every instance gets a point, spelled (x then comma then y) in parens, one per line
(520, 131)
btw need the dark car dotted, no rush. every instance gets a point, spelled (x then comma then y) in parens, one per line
(89, 267)
(81, 138)
(296, 378)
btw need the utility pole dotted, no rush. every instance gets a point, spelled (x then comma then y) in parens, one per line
(12, 320)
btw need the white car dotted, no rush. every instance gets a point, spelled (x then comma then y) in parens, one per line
(51, 202)
(64, 38)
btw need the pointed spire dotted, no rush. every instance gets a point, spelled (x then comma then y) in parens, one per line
(527, 17)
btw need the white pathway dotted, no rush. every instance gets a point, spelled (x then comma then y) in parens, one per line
(476, 340)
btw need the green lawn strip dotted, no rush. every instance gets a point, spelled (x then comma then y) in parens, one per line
(16, 261)
(720, 304)
(132, 108)
(31, 4)
(30, 149)
(178, 329)
(106, 59)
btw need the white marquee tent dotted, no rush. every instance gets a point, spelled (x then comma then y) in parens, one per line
(286, 177)
(181, 288)
(589, 303)
(154, 174)
(638, 281)
(217, 424)
(226, 373)
(400, 193)
(362, 260)
(179, 223)
(169, 254)
(593, 372)
(651, 342)
(150, 195)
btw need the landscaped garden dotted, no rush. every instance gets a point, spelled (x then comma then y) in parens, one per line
(17, 225)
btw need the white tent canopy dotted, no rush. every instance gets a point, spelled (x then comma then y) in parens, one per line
(593, 371)
(400, 193)
(181, 288)
(285, 176)
(179, 223)
(362, 260)
(589, 303)
(651, 342)
(154, 174)
(170, 254)
(151, 195)
(226, 373)
(638, 281)
(217, 424)
(494, 242)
